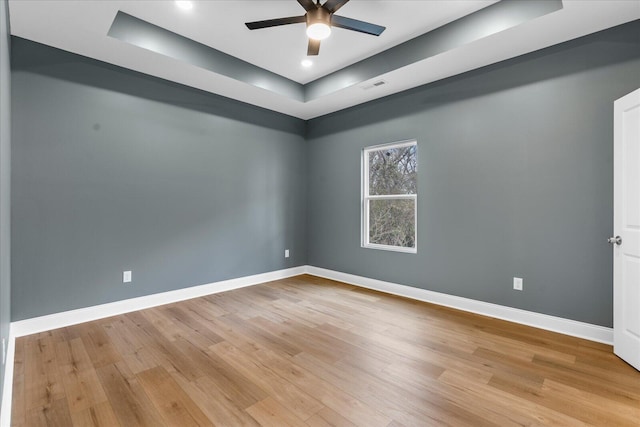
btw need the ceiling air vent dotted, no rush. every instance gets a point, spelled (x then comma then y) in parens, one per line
(374, 84)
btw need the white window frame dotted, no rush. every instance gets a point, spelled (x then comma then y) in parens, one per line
(366, 198)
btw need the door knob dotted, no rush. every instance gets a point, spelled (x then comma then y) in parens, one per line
(615, 240)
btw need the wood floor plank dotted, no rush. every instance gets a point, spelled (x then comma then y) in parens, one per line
(510, 405)
(43, 384)
(204, 308)
(122, 334)
(214, 403)
(369, 349)
(588, 407)
(266, 336)
(307, 351)
(391, 398)
(81, 383)
(99, 415)
(238, 388)
(132, 344)
(616, 386)
(327, 417)
(189, 325)
(459, 361)
(226, 408)
(54, 414)
(307, 339)
(288, 395)
(165, 326)
(129, 401)
(625, 392)
(330, 395)
(231, 334)
(245, 309)
(164, 350)
(285, 309)
(270, 413)
(172, 402)
(99, 347)
(73, 357)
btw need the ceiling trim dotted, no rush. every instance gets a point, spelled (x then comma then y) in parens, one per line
(483, 23)
(146, 35)
(265, 70)
(486, 22)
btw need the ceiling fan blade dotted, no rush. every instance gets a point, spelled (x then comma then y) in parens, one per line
(307, 4)
(313, 48)
(275, 22)
(355, 25)
(333, 5)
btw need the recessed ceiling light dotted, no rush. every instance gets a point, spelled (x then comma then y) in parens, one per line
(184, 4)
(306, 63)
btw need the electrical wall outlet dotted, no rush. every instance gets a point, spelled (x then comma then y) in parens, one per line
(126, 276)
(517, 283)
(286, 253)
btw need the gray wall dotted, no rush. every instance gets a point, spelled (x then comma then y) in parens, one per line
(5, 175)
(515, 179)
(114, 171)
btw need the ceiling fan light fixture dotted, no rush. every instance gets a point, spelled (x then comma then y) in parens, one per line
(319, 19)
(318, 31)
(318, 24)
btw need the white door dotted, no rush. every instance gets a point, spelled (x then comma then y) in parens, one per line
(626, 229)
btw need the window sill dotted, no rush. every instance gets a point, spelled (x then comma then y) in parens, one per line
(390, 248)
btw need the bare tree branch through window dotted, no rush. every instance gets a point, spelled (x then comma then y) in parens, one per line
(390, 184)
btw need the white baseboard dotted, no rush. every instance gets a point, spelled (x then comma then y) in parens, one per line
(87, 314)
(7, 387)
(552, 323)
(543, 321)
(72, 317)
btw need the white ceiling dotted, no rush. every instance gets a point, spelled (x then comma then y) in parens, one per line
(81, 26)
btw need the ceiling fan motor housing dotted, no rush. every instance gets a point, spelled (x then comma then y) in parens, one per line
(318, 16)
(319, 19)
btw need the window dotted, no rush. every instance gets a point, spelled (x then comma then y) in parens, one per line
(389, 201)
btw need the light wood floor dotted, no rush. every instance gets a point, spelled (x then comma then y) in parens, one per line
(312, 352)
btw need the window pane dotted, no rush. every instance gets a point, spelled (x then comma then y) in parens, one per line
(393, 171)
(392, 222)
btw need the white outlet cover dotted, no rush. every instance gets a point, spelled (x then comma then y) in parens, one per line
(126, 276)
(286, 253)
(517, 283)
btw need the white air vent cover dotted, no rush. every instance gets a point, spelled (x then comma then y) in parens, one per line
(377, 83)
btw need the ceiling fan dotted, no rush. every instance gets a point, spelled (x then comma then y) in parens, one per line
(319, 19)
